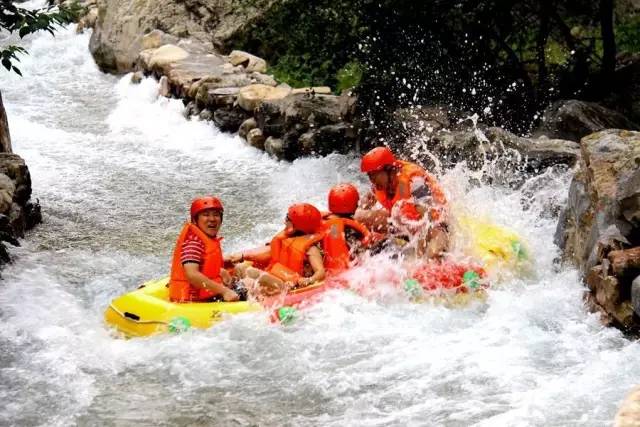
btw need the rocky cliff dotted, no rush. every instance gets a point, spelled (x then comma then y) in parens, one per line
(17, 212)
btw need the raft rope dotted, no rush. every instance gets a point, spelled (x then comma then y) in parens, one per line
(144, 322)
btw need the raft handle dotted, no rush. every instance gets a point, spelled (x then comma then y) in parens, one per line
(131, 316)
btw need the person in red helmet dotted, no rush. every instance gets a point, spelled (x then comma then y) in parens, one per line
(412, 201)
(197, 272)
(295, 256)
(343, 235)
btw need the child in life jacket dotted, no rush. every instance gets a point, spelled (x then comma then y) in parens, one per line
(197, 273)
(343, 235)
(295, 256)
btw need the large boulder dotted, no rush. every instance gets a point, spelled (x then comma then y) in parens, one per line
(248, 61)
(121, 25)
(252, 96)
(511, 158)
(575, 119)
(599, 231)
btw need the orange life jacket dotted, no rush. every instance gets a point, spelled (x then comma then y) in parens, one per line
(180, 290)
(334, 242)
(407, 172)
(289, 254)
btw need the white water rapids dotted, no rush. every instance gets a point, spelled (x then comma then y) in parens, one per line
(115, 168)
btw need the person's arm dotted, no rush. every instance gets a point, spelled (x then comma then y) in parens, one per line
(317, 264)
(226, 277)
(261, 254)
(199, 280)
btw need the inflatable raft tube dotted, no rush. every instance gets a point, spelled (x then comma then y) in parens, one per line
(447, 283)
(494, 246)
(147, 311)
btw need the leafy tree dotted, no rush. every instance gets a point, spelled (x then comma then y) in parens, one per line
(15, 19)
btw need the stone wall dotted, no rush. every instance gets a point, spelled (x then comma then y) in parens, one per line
(599, 231)
(17, 213)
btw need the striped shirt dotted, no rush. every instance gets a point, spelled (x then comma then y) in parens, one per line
(192, 250)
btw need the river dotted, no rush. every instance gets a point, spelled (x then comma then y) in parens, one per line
(115, 168)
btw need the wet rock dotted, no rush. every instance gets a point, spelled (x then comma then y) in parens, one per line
(164, 55)
(16, 169)
(248, 61)
(5, 136)
(88, 21)
(252, 96)
(7, 190)
(628, 414)
(285, 113)
(246, 127)
(612, 296)
(513, 158)
(575, 119)
(420, 120)
(256, 139)
(121, 24)
(214, 98)
(137, 77)
(599, 228)
(17, 220)
(275, 147)
(32, 214)
(156, 38)
(206, 115)
(327, 139)
(191, 109)
(635, 295)
(164, 89)
(229, 120)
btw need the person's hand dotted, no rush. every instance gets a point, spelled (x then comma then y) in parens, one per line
(368, 200)
(304, 282)
(229, 296)
(234, 258)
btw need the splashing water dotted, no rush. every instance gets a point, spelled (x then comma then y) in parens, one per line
(115, 167)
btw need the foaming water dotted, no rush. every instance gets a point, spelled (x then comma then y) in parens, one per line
(115, 167)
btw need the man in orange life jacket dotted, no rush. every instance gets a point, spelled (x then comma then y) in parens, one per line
(197, 272)
(411, 198)
(295, 259)
(343, 235)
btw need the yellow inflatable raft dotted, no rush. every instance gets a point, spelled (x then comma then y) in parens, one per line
(496, 247)
(148, 311)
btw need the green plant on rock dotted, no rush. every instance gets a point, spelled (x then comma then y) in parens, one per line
(15, 19)
(349, 76)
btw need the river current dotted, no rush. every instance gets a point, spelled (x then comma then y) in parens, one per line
(115, 168)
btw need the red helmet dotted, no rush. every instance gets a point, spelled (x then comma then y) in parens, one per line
(343, 199)
(203, 203)
(376, 159)
(305, 217)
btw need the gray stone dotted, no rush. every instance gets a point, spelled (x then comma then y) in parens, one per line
(206, 115)
(256, 139)
(246, 127)
(164, 88)
(229, 120)
(121, 24)
(275, 147)
(635, 295)
(137, 77)
(575, 119)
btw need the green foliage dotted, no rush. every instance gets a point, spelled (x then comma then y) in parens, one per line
(306, 43)
(349, 76)
(628, 34)
(505, 58)
(15, 19)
